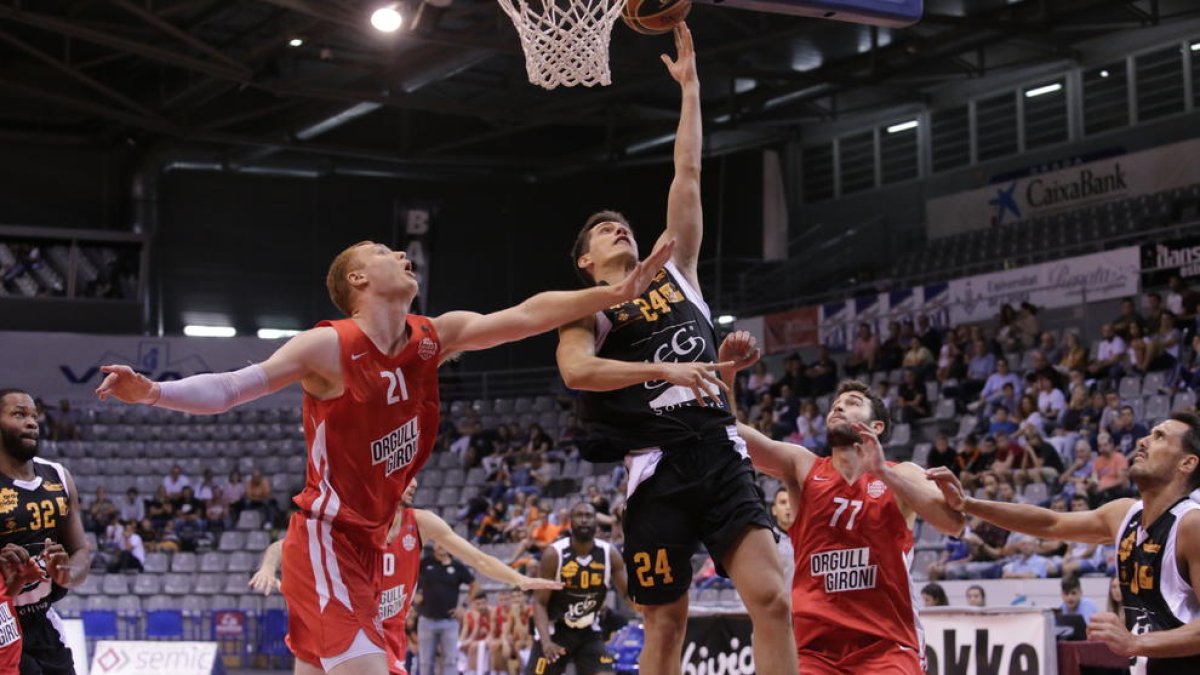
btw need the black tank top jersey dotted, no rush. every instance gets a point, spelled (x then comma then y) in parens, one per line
(31, 512)
(1154, 594)
(585, 582)
(670, 322)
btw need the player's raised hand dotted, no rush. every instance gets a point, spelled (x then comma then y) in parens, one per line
(264, 581)
(741, 349)
(538, 584)
(1109, 629)
(639, 279)
(870, 450)
(683, 67)
(947, 482)
(122, 383)
(702, 378)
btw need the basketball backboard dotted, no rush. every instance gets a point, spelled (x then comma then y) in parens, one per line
(891, 13)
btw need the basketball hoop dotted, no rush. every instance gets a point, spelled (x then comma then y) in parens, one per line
(565, 41)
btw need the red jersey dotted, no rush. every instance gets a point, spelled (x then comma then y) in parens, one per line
(853, 550)
(366, 445)
(10, 634)
(397, 581)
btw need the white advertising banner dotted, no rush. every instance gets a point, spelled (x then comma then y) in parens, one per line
(154, 658)
(56, 366)
(1058, 283)
(1139, 173)
(1015, 641)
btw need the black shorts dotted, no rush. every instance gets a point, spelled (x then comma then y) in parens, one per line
(702, 493)
(585, 648)
(43, 652)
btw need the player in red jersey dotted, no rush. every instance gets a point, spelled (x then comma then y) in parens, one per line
(852, 599)
(400, 563)
(17, 568)
(370, 418)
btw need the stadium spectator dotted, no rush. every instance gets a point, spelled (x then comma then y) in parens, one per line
(823, 372)
(1050, 402)
(101, 512)
(1110, 472)
(934, 595)
(993, 392)
(131, 508)
(1007, 455)
(975, 459)
(928, 334)
(1129, 318)
(1162, 346)
(1182, 301)
(942, 454)
(910, 398)
(1152, 315)
(950, 365)
(863, 352)
(1074, 480)
(1000, 422)
(891, 350)
(979, 368)
(1027, 319)
(216, 510)
(760, 381)
(1126, 430)
(1028, 416)
(794, 376)
(1073, 600)
(1039, 463)
(1026, 563)
(787, 409)
(159, 510)
(1109, 353)
(955, 554)
(131, 550)
(976, 596)
(1115, 597)
(1050, 349)
(1074, 353)
(919, 358)
(440, 580)
(1008, 332)
(1138, 347)
(175, 482)
(204, 490)
(810, 426)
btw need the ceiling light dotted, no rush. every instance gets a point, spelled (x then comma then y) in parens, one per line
(726, 319)
(1196, 46)
(276, 333)
(1104, 73)
(296, 42)
(387, 19)
(1042, 91)
(903, 126)
(193, 330)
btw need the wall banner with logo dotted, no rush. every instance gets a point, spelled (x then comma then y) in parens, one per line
(1058, 283)
(155, 658)
(794, 329)
(58, 366)
(1108, 179)
(962, 640)
(1161, 259)
(718, 644)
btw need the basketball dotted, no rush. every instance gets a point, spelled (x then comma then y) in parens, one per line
(655, 17)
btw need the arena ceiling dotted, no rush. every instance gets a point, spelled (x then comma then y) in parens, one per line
(448, 96)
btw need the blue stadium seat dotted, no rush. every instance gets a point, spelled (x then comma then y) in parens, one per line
(164, 624)
(100, 624)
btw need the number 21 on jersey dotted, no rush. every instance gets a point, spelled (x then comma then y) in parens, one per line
(395, 381)
(854, 505)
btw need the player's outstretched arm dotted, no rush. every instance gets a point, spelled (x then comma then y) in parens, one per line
(308, 355)
(433, 528)
(914, 493)
(266, 579)
(1098, 526)
(685, 217)
(1167, 644)
(471, 331)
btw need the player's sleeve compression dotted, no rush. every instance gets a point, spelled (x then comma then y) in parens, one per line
(212, 393)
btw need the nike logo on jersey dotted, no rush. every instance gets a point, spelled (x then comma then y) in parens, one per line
(821, 478)
(355, 357)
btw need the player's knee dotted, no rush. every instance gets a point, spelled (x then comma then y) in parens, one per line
(667, 624)
(767, 602)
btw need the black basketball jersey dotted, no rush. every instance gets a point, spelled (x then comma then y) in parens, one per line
(670, 322)
(585, 582)
(1154, 594)
(30, 512)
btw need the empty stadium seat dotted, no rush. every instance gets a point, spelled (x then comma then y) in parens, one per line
(1130, 386)
(177, 584)
(157, 563)
(213, 561)
(147, 583)
(232, 541)
(250, 519)
(183, 562)
(257, 541)
(209, 584)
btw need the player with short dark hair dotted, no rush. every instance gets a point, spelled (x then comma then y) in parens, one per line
(853, 607)
(651, 397)
(1158, 547)
(39, 514)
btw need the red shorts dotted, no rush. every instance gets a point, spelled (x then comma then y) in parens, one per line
(876, 656)
(330, 585)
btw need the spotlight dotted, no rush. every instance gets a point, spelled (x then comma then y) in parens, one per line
(387, 19)
(296, 42)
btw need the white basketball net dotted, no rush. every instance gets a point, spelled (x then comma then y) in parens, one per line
(565, 41)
